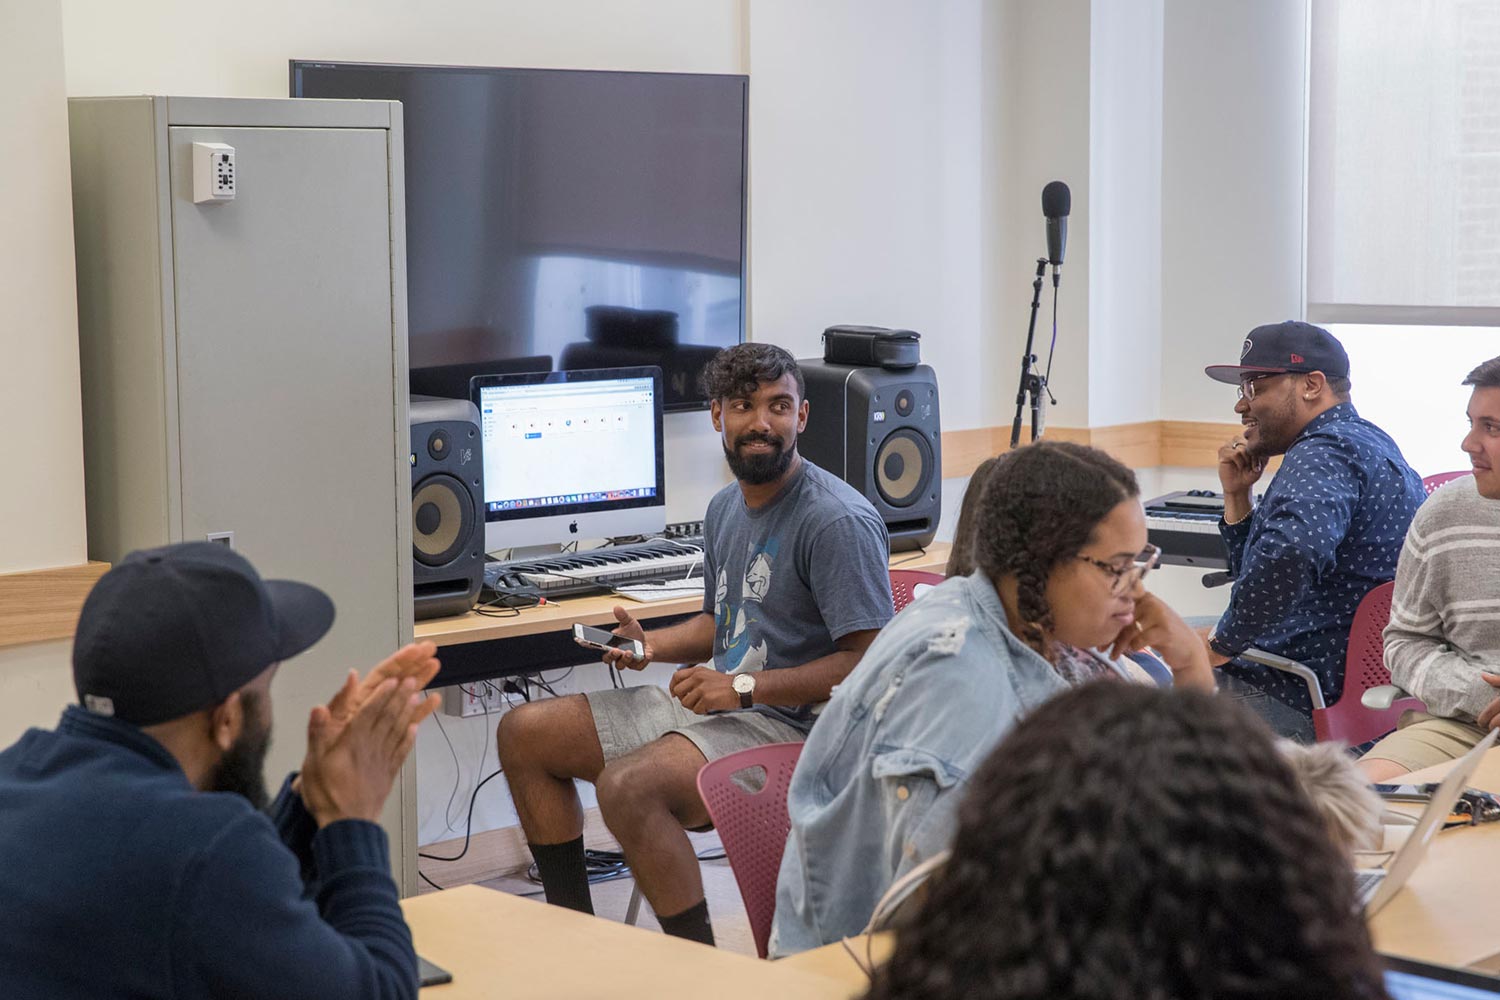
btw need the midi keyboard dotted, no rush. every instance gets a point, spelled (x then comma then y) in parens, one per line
(601, 570)
(1185, 526)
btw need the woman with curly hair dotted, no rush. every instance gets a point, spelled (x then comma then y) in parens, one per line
(1128, 842)
(1054, 599)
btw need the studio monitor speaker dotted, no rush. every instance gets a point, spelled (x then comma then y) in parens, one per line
(877, 429)
(447, 506)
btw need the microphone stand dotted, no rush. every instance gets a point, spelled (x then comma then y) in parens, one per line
(1033, 383)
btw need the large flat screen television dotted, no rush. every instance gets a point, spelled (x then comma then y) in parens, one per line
(564, 219)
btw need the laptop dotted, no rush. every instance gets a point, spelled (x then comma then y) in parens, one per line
(1407, 979)
(1375, 886)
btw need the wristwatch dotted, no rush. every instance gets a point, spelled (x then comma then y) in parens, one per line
(744, 686)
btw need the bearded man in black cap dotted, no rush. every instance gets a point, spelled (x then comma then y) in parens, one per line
(1327, 531)
(134, 858)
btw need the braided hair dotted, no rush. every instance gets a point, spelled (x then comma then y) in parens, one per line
(1039, 507)
(1128, 842)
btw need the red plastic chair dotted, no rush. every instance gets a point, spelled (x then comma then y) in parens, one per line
(1430, 483)
(752, 825)
(904, 584)
(1348, 718)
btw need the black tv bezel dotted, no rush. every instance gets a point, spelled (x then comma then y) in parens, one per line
(481, 382)
(294, 86)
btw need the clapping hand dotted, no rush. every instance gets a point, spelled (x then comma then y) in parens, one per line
(358, 741)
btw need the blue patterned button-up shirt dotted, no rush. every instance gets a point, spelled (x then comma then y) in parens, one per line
(1328, 530)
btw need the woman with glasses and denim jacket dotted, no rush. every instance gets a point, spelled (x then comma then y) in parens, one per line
(1057, 539)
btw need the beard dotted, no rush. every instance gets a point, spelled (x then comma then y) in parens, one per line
(1274, 433)
(758, 469)
(242, 768)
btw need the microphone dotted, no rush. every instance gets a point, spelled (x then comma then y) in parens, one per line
(1057, 201)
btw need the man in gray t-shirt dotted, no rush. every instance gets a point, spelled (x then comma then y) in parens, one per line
(790, 578)
(796, 587)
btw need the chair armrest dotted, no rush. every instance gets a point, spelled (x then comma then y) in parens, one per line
(1380, 698)
(1314, 689)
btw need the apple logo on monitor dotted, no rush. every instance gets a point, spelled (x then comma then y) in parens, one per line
(573, 528)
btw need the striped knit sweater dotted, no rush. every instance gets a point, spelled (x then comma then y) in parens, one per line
(1445, 617)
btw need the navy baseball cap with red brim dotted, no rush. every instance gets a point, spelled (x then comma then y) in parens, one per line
(1291, 346)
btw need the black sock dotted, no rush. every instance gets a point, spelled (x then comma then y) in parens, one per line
(692, 923)
(564, 877)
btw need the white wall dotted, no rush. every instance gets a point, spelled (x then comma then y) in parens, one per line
(1125, 113)
(866, 165)
(41, 502)
(171, 47)
(1232, 167)
(1042, 134)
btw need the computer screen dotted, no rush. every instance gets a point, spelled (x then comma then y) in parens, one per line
(571, 455)
(1408, 979)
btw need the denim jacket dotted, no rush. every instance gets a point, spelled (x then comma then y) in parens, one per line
(880, 777)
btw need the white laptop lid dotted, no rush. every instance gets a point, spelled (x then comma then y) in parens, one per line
(1438, 809)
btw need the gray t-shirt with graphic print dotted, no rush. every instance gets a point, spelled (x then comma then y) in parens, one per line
(785, 581)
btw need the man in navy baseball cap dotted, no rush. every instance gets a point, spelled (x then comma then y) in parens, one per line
(1328, 529)
(133, 835)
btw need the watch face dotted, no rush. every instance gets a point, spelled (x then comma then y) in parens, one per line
(744, 683)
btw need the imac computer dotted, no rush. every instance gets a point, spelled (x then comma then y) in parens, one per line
(571, 455)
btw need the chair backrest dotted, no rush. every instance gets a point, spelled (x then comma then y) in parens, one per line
(904, 584)
(752, 825)
(1364, 667)
(1430, 483)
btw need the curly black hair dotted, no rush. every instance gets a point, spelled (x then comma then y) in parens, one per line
(1128, 842)
(741, 369)
(1039, 508)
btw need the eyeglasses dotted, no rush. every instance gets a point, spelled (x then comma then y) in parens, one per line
(1126, 577)
(1247, 385)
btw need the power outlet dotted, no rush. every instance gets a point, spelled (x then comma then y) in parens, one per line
(213, 173)
(480, 698)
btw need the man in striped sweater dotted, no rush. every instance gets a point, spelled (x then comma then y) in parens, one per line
(1443, 642)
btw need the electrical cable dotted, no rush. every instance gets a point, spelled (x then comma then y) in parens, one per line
(468, 824)
(423, 876)
(1047, 379)
(458, 773)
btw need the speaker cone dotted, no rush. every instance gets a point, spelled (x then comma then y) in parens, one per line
(903, 467)
(442, 517)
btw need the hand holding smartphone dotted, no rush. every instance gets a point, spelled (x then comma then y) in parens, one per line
(597, 638)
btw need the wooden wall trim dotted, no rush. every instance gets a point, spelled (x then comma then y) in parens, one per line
(42, 605)
(1185, 443)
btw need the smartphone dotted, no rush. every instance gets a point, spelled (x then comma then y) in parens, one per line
(597, 638)
(1406, 793)
(429, 974)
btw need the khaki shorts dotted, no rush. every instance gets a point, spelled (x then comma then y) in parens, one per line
(628, 719)
(1422, 740)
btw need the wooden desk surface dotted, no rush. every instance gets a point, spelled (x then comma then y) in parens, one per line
(499, 945)
(1449, 910)
(834, 962)
(598, 610)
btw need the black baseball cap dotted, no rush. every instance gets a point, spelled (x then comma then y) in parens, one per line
(1285, 347)
(170, 631)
